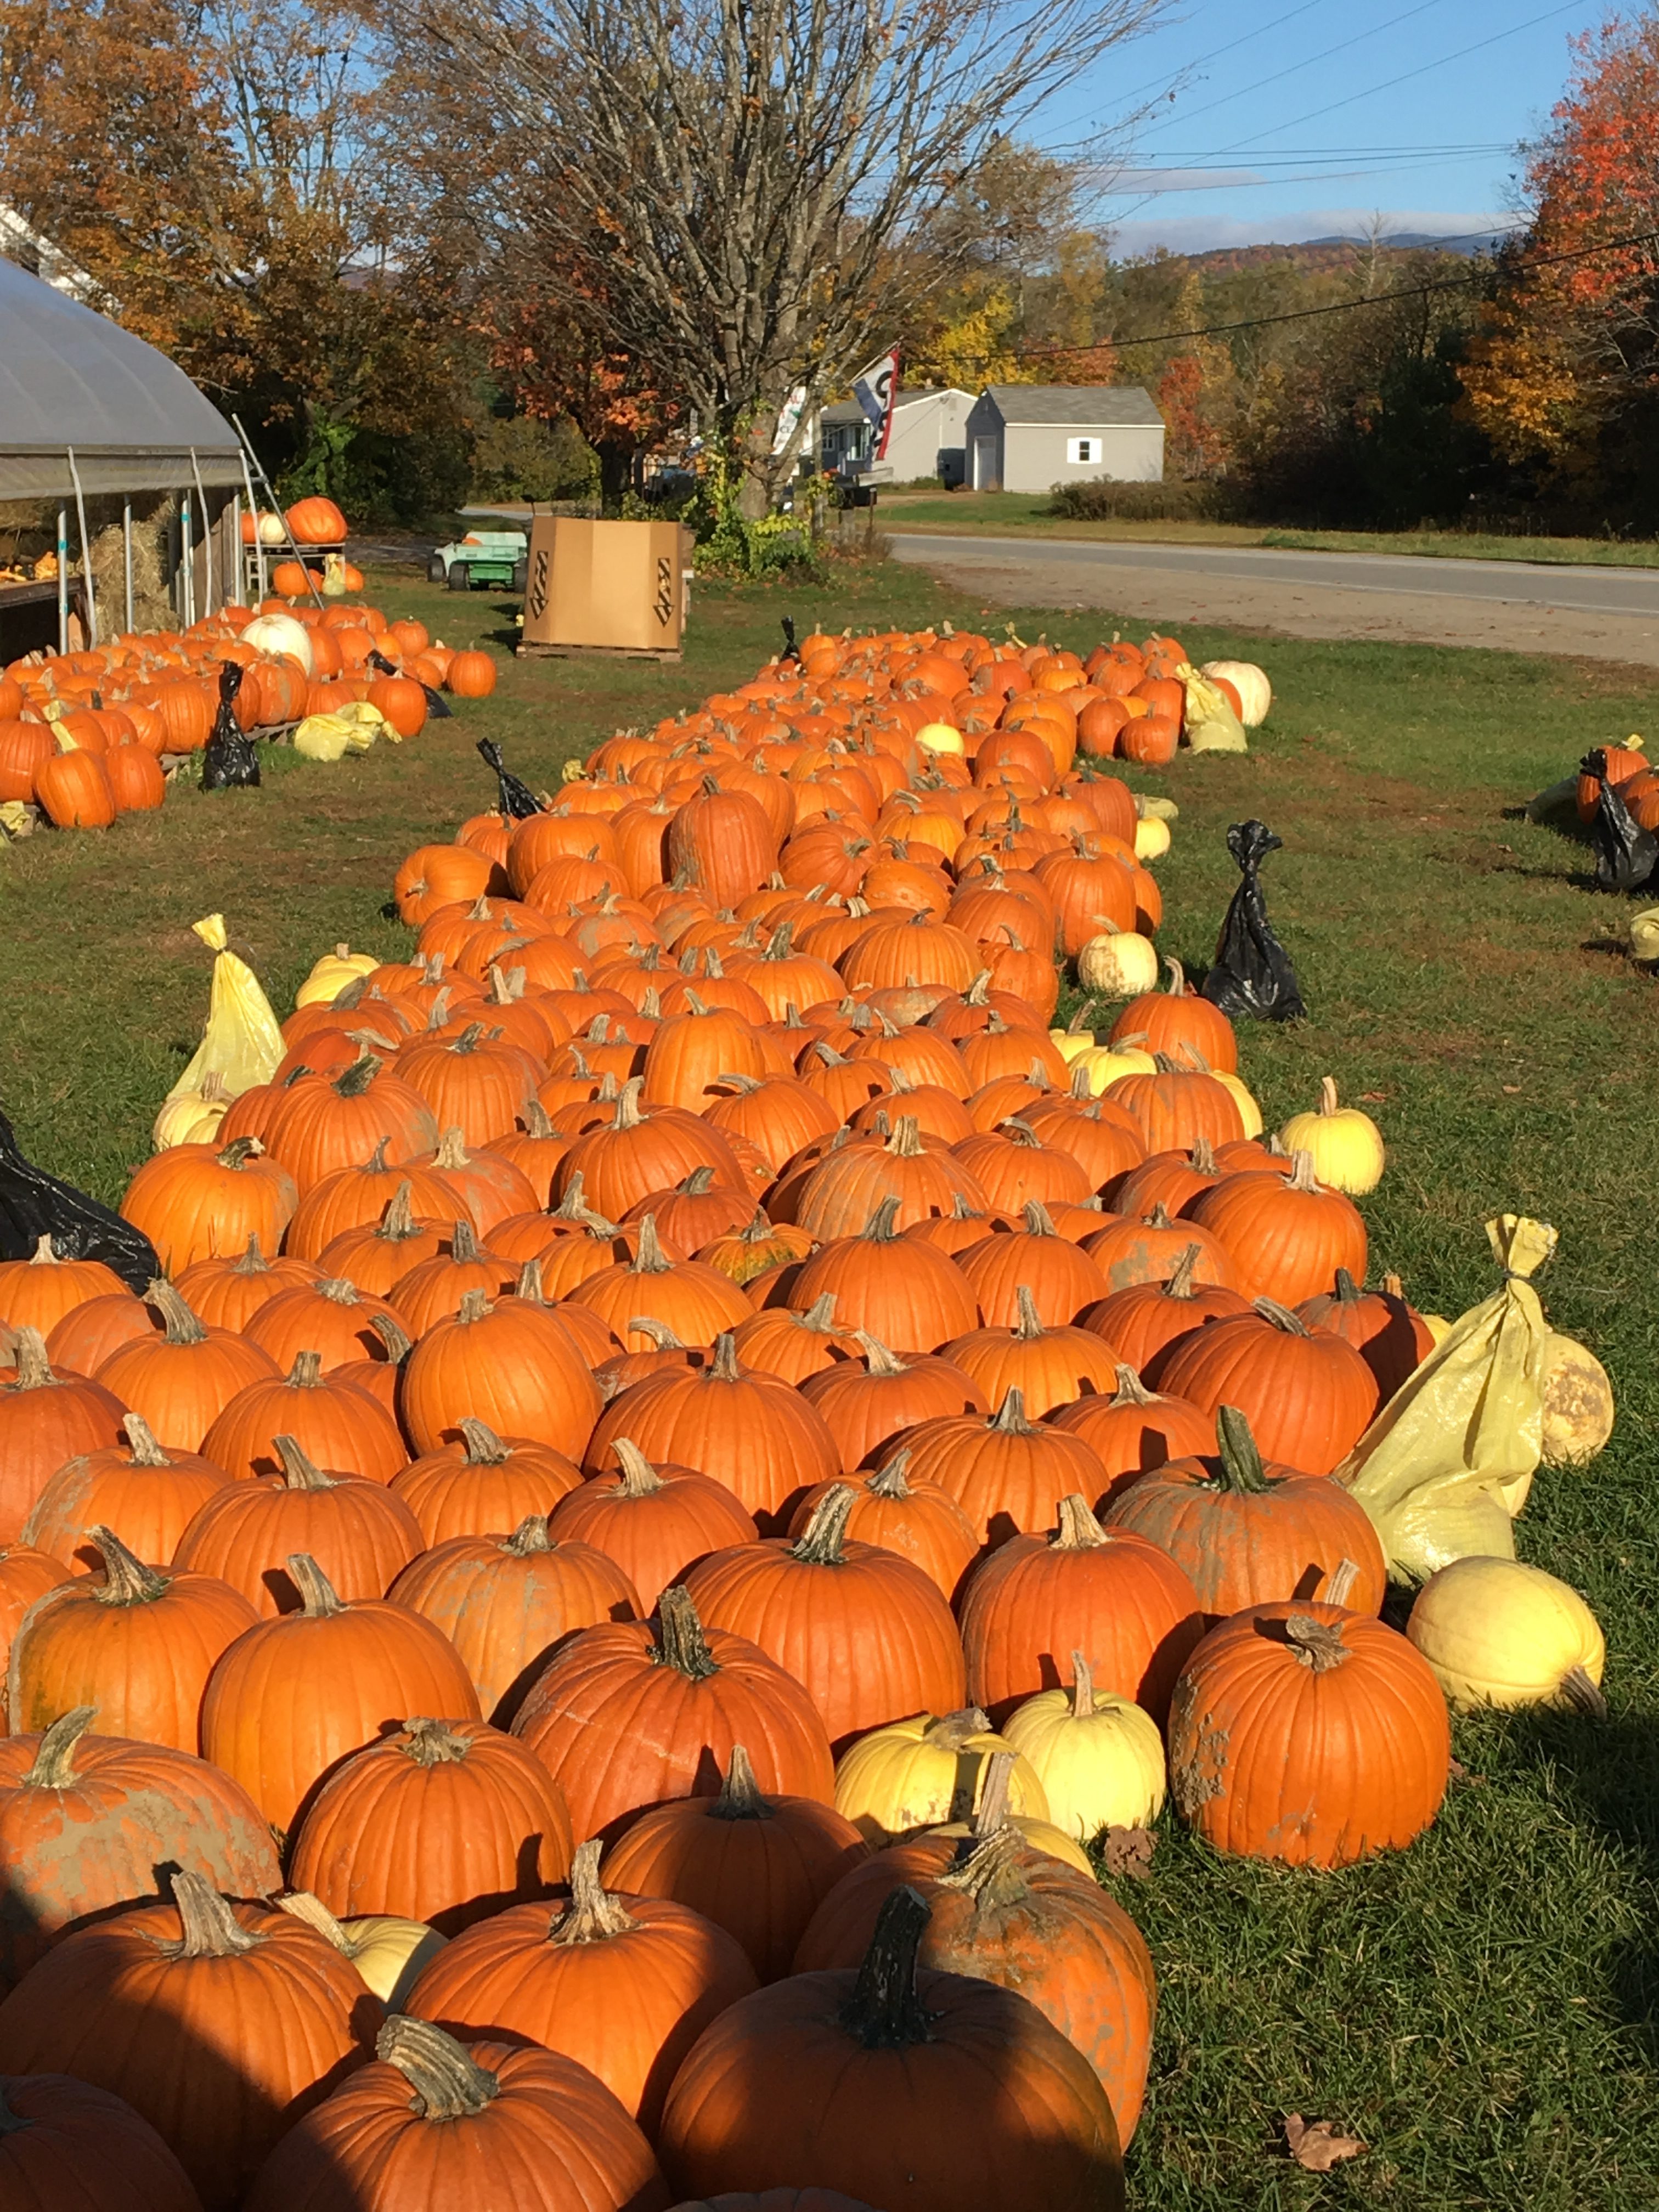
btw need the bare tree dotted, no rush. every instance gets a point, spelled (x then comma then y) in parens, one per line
(748, 171)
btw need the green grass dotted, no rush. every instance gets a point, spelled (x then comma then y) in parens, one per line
(1481, 2008)
(1030, 514)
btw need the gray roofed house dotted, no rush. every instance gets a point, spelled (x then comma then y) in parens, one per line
(926, 437)
(1030, 437)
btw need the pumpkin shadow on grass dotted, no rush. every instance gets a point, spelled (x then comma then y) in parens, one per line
(1607, 1775)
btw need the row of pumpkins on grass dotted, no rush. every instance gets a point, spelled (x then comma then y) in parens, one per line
(776, 1597)
(82, 735)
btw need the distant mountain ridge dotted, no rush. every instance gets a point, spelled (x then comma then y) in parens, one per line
(1321, 253)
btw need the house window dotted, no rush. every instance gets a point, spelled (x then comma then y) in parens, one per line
(1083, 449)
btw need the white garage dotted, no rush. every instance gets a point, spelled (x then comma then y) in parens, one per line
(1030, 437)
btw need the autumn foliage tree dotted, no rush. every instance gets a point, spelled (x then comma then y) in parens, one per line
(1565, 373)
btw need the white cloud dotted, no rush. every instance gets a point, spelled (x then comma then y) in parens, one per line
(1204, 234)
(1116, 182)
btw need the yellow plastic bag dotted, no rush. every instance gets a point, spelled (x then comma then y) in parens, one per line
(241, 1043)
(1451, 1457)
(1210, 724)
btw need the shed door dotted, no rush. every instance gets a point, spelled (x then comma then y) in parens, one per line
(985, 465)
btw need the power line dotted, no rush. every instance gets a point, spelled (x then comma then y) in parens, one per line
(1341, 306)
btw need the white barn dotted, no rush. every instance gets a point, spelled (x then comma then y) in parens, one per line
(1030, 437)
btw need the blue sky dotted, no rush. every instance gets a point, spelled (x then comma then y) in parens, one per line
(1288, 122)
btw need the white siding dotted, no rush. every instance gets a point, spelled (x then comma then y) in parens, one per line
(1035, 454)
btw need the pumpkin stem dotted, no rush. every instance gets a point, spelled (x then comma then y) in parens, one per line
(1009, 1420)
(890, 1480)
(253, 1261)
(434, 1743)
(1584, 1695)
(339, 1290)
(1039, 1222)
(1029, 1324)
(1079, 1530)
(1328, 1094)
(182, 1325)
(1180, 1284)
(1347, 1291)
(483, 1447)
(996, 1780)
(680, 1643)
(594, 1912)
(740, 1797)
(1080, 1084)
(884, 2011)
(353, 1081)
(452, 1153)
(663, 1338)
(448, 2082)
(820, 1544)
(1316, 1643)
(1281, 1317)
(1203, 1157)
(880, 1228)
(639, 1478)
(991, 1874)
(144, 1450)
(240, 1149)
(126, 1581)
(951, 1731)
(535, 1118)
(306, 1374)
(530, 1536)
(649, 1259)
(1242, 1470)
(960, 1209)
(43, 1255)
(209, 1927)
(723, 1367)
(1393, 1287)
(33, 1369)
(528, 1288)
(397, 1345)
(1302, 1176)
(1083, 1688)
(1131, 1390)
(298, 1472)
(877, 1359)
(319, 1598)
(475, 1304)
(315, 1915)
(905, 1143)
(628, 1104)
(820, 1316)
(464, 1245)
(54, 1760)
(1159, 1217)
(1338, 1583)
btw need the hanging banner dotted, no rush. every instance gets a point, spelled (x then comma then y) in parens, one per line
(875, 388)
(788, 414)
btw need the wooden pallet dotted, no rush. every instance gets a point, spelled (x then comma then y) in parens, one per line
(661, 653)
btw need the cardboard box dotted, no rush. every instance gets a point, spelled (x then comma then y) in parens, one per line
(614, 585)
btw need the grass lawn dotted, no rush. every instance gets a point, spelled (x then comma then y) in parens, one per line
(1480, 2009)
(1027, 514)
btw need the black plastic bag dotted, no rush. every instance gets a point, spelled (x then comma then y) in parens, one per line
(1626, 855)
(1252, 973)
(791, 650)
(232, 758)
(33, 1205)
(437, 706)
(514, 799)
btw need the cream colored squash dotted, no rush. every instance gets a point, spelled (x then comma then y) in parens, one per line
(1255, 693)
(335, 972)
(1118, 964)
(1152, 838)
(1347, 1145)
(1500, 1633)
(920, 1773)
(280, 634)
(940, 737)
(389, 1952)
(1577, 1402)
(1098, 1756)
(1244, 1098)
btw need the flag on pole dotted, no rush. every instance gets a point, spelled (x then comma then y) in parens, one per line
(789, 415)
(874, 389)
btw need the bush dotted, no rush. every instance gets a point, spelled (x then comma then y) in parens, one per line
(1176, 500)
(521, 457)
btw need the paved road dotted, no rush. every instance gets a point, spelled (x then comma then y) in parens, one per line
(1609, 614)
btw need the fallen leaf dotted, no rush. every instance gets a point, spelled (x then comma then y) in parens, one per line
(1128, 1850)
(1456, 1771)
(1374, 1098)
(1512, 1090)
(1316, 2146)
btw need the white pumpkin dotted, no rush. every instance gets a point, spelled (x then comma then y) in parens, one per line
(1255, 694)
(271, 532)
(1098, 1756)
(1152, 838)
(940, 737)
(1500, 1633)
(279, 634)
(1118, 964)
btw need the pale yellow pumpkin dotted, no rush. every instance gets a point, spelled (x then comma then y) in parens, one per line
(1577, 1402)
(1098, 1756)
(1255, 693)
(1498, 1632)
(1041, 1835)
(390, 1953)
(1347, 1145)
(1244, 1098)
(1152, 838)
(1108, 1064)
(335, 972)
(1118, 964)
(940, 737)
(921, 1772)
